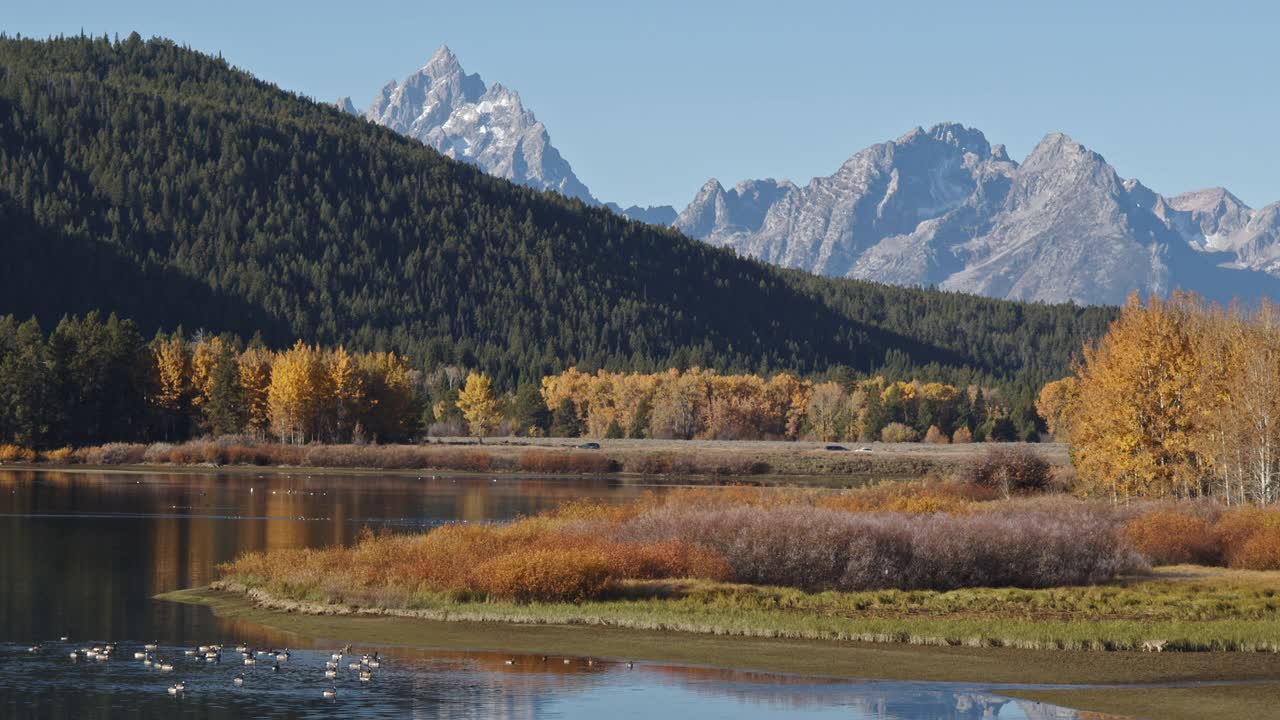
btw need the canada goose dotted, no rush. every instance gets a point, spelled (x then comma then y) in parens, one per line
(276, 666)
(177, 688)
(242, 648)
(64, 638)
(353, 666)
(149, 647)
(375, 662)
(188, 652)
(204, 648)
(630, 664)
(331, 664)
(166, 666)
(590, 662)
(251, 660)
(567, 661)
(365, 676)
(75, 655)
(331, 693)
(34, 648)
(284, 655)
(336, 656)
(238, 680)
(544, 658)
(148, 660)
(509, 662)
(331, 674)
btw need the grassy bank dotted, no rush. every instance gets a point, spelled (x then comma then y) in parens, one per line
(718, 461)
(1188, 609)
(825, 657)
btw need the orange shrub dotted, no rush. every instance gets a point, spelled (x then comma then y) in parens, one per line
(673, 558)
(1237, 527)
(545, 575)
(16, 453)
(935, 436)
(1260, 552)
(1169, 536)
(962, 436)
(61, 456)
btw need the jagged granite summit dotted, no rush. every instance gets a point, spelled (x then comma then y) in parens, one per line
(487, 126)
(457, 114)
(944, 207)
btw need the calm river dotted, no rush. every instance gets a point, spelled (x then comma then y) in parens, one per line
(81, 555)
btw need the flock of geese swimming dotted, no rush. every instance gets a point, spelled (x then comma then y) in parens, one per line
(363, 667)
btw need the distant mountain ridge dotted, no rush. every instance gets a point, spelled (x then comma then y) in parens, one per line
(944, 207)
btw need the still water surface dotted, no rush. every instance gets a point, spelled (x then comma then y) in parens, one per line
(82, 554)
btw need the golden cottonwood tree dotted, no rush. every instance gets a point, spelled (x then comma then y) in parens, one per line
(829, 411)
(478, 405)
(298, 393)
(1054, 406)
(173, 381)
(255, 383)
(1137, 428)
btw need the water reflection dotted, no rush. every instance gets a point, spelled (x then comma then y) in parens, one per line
(81, 554)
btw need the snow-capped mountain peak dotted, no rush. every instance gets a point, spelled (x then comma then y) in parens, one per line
(488, 126)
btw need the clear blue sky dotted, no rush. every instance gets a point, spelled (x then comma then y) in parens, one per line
(649, 99)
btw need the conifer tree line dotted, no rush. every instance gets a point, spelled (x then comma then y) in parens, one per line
(146, 179)
(1181, 398)
(705, 404)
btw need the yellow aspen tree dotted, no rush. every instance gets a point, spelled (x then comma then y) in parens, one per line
(1136, 428)
(571, 385)
(601, 403)
(1054, 406)
(298, 394)
(346, 382)
(255, 380)
(478, 405)
(829, 411)
(204, 359)
(173, 381)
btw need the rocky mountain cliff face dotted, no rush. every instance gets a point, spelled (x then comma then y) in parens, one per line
(457, 114)
(944, 207)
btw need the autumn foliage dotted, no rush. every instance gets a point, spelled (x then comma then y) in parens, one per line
(1179, 399)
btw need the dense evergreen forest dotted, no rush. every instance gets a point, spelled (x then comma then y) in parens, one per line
(152, 181)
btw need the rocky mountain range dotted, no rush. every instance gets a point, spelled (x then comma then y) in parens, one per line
(941, 206)
(944, 207)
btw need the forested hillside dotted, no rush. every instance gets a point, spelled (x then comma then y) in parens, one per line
(162, 184)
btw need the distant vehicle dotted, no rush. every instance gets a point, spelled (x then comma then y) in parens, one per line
(863, 449)
(836, 448)
(589, 446)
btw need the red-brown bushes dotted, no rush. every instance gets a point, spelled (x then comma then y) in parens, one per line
(543, 461)
(1169, 536)
(1010, 469)
(819, 549)
(693, 464)
(116, 454)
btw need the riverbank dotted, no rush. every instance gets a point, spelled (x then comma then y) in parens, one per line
(697, 461)
(814, 656)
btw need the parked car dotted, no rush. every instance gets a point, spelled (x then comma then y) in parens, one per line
(589, 446)
(863, 449)
(836, 448)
